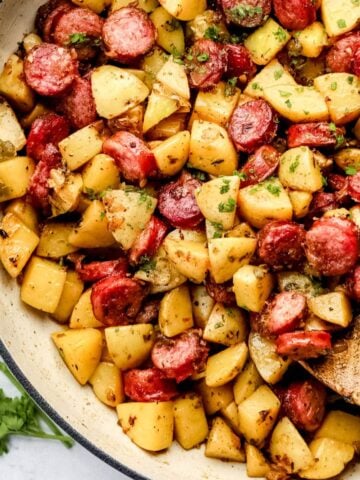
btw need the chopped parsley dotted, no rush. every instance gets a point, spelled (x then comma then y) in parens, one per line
(80, 39)
(324, 181)
(294, 165)
(241, 175)
(255, 86)
(280, 35)
(172, 25)
(350, 170)
(288, 103)
(350, 79)
(332, 127)
(147, 265)
(242, 11)
(212, 33)
(202, 57)
(284, 94)
(333, 86)
(341, 23)
(225, 187)
(230, 87)
(273, 189)
(228, 206)
(278, 74)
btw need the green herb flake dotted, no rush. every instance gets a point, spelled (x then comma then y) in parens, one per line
(147, 265)
(294, 165)
(340, 140)
(284, 94)
(341, 23)
(230, 87)
(225, 187)
(332, 127)
(228, 206)
(356, 3)
(255, 86)
(242, 11)
(350, 79)
(333, 86)
(278, 74)
(203, 57)
(280, 35)
(288, 103)
(78, 39)
(273, 189)
(212, 33)
(350, 170)
(324, 181)
(241, 175)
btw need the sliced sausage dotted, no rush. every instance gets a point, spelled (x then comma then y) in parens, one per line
(322, 202)
(261, 165)
(221, 292)
(128, 33)
(95, 271)
(353, 284)
(246, 13)
(52, 19)
(281, 244)
(181, 356)
(50, 128)
(78, 104)
(149, 312)
(133, 157)
(332, 246)
(44, 11)
(149, 240)
(356, 64)
(50, 69)
(303, 345)
(304, 403)
(177, 203)
(339, 185)
(206, 63)
(295, 14)
(344, 55)
(149, 385)
(285, 313)
(354, 187)
(252, 125)
(239, 63)
(316, 134)
(116, 300)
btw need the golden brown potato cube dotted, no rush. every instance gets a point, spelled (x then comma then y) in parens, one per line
(159, 107)
(100, 174)
(191, 426)
(341, 426)
(15, 175)
(175, 314)
(38, 111)
(214, 398)
(146, 5)
(332, 307)
(173, 76)
(247, 382)
(202, 305)
(271, 75)
(184, 9)
(107, 384)
(152, 63)
(82, 315)
(223, 443)
(71, 293)
(54, 240)
(226, 325)
(10, 129)
(299, 171)
(13, 85)
(172, 39)
(231, 416)
(300, 202)
(96, 6)
(312, 39)
(30, 41)
(339, 16)
(223, 367)
(190, 258)
(25, 212)
(172, 154)
(252, 287)
(256, 464)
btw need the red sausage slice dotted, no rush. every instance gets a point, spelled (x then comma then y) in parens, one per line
(50, 69)
(149, 312)
(303, 345)
(133, 157)
(206, 63)
(116, 300)
(127, 34)
(50, 128)
(261, 165)
(181, 356)
(221, 292)
(177, 202)
(149, 385)
(304, 403)
(317, 134)
(281, 244)
(354, 187)
(246, 13)
(240, 63)
(252, 125)
(149, 240)
(332, 246)
(286, 312)
(322, 202)
(353, 284)
(295, 14)
(44, 11)
(344, 55)
(95, 271)
(53, 18)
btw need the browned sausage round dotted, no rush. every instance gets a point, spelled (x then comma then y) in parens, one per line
(356, 65)
(316, 134)
(353, 284)
(281, 244)
(332, 246)
(354, 187)
(304, 403)
(148, 241)
(322, 202)
(149, 385)
(95, 271)
(58, 9)
(44, 11)
(116, 300)
(50, 69)
(246, 13)
(344, 55)
(252, 125)
(221, 292)
(149, 312)
(285, 313)
(295, 14)
(133, 157)
(302, 345)
(261, 165)
(177, 202)
(50, 128)
(181, 356)
(239, 63)
(127, 34)
(206, 63)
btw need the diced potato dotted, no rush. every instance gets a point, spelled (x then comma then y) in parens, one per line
(96, 6)
(272, 75)
(211, 149)
(128, 213)
(191, 426)
(30, 41)
(231, 416)
(190, 258)
(172, 154)
(129, 345)
(184, 9)
(223, 443)
(13, 85)
(297, 103)
(341, 426)
(170, 33)
(173, 76)
(100, 174)
(65, 191)
(175, 314)
(158, 108)
(247, 382)
(266, 42)
(54, 240)
(256, 464)
(215, 398)
(116, 91)
(331, 457)
(269, 364)
(257, 415)
(223, 367)
(298, 170)
(355, 215)
(252, 287)
(339, 16)
(196, 28)
(93, 231)
(312, 39)
(242, 230)
(348, 157)
(25, 212)
(300, 202)
(187, 234)
(149, 425)
(298, 282)
(226, 325)
(266, 201)
(216, 105)
(17, 243)
(168, 127)
(15, 175)
(70, 295)
(83, 316)
(146, 5)
(10, 129)
(332, 307)
(43, 284)
(107, 384)
(38, 111)
(341, 93)
(152, 64)
(202, 305)
(80, 350)
(227, 255)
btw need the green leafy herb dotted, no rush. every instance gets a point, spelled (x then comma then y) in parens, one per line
(228, 206)
(341, 23)
(203, 57)
(241, 175)
(288, 103)
(78, 38)
(350, 170)
(355, 2)
(212, 33)
(102, 215)
(147, 265)
(255, 86)
(225, 187)
(294, 165)
(340, 140)
(230, 87)
(333, 86)
(278, 74)
(179, 60)
(217, 234)
(350, 79)
(332, 127)
(324, 181)
(20, 416)
(93, 195)
(242, 11)
(202, 176)
(280, 35)
(284, 94)
(172, 25)
(273, 189)
(145, 198)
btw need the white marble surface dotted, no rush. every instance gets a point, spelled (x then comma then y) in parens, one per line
(34, 459)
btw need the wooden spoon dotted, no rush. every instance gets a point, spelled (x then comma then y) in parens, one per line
(340, 369)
